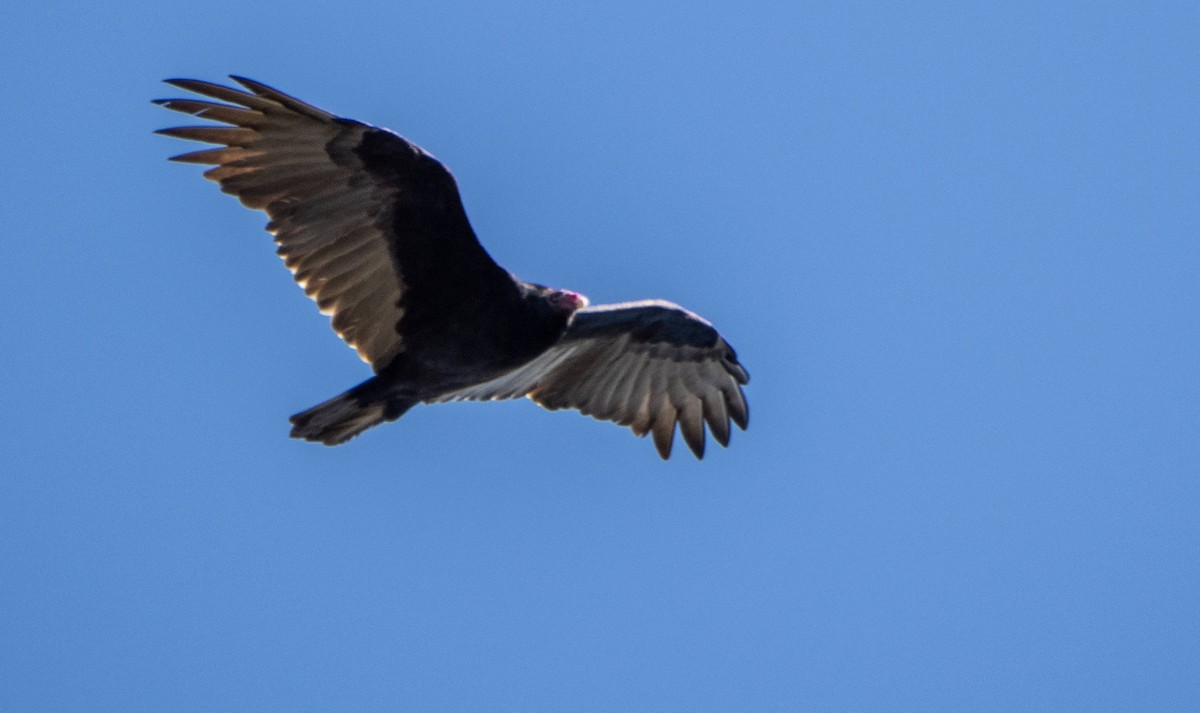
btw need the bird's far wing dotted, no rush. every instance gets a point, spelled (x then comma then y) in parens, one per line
(646, 365)
(365, 220)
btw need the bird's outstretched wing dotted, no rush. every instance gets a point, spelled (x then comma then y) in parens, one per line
(646, 365)
(371, 226)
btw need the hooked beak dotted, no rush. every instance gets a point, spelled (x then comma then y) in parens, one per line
(568, 301)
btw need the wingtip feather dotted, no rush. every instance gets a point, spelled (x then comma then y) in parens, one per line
(691, 425)
(283, 98)
(739, 410)
(662, 443)
(664, 431)
(717, 418)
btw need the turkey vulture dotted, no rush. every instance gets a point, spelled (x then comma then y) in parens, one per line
(373, 228)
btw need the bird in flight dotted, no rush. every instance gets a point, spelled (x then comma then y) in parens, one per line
(373, 228)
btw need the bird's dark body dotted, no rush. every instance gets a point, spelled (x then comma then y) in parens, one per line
(485, 344)
(439, 362)
(374, 229)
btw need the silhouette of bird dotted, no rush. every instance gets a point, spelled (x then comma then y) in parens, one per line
(373, 228)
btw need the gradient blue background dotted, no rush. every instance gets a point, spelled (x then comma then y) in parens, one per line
(956, 247)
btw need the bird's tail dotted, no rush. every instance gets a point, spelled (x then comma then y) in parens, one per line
(345, 416)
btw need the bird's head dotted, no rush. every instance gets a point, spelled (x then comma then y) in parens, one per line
(566, 301)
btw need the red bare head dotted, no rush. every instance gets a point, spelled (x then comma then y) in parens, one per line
(566, 301)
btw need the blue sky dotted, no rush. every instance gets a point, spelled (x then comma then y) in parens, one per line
(956, 247)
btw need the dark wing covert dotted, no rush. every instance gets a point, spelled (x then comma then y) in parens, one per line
(646, 365)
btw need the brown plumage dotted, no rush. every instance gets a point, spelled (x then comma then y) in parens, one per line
(373, 229)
